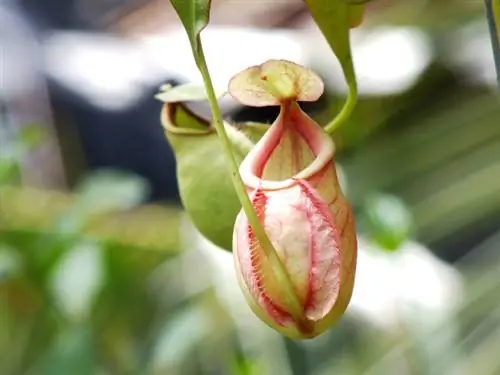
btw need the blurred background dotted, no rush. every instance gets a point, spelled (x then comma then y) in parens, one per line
(101, 272)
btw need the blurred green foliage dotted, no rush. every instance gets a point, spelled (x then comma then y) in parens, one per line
(96, 282)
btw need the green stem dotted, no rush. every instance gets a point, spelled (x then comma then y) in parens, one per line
(350, 103)
(493, 17)
(282, 277)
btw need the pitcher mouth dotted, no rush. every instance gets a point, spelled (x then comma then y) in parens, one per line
(317, 140)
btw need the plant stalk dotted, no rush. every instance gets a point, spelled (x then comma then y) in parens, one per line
(283, 278)
(350, 103)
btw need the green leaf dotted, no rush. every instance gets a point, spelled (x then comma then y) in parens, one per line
(334, 18)
(194, 15)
